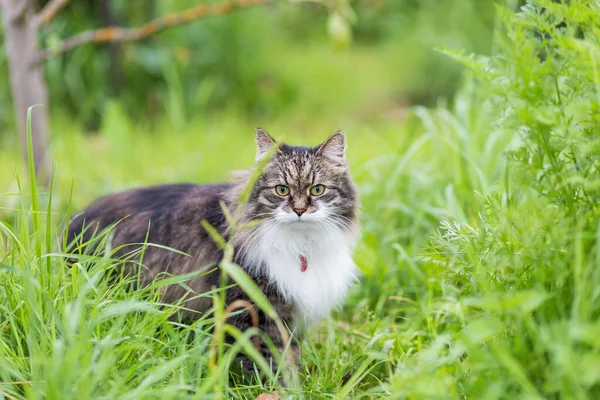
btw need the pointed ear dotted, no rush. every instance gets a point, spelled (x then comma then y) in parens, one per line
(334, 147)
(263, 143)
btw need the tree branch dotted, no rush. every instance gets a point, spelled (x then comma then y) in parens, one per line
(118, 34)
(17, 13)
(48, 12)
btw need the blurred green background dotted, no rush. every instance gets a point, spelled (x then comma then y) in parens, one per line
(263, 62)
(204, 86)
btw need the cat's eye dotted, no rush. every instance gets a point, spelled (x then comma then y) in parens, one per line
(282, 190)
(317, 190)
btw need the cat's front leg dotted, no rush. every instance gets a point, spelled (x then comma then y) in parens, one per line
(287, 345)
(278, 335)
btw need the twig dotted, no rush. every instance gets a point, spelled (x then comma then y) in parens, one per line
(118, 34)
(18, 13)
(401, 298)
(48, 12)
(247, 306)
(346, 328)
(237, 304)
(10, 396)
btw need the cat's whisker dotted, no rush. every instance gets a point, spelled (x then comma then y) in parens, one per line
(261, 230)
(256, 220)
(342, 221)
(331, 228)
(249, 237)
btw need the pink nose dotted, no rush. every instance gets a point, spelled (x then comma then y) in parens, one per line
(299, 211)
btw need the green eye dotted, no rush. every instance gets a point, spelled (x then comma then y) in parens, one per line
(282, 190)
(317, 190)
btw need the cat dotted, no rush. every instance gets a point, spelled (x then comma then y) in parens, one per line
(304, 206)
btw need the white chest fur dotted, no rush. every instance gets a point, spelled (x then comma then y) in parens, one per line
(330, 268)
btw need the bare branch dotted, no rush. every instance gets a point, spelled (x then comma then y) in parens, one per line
(48, 12)
(118, 34)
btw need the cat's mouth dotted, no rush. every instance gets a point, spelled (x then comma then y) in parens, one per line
(295, 219)
(303, 220)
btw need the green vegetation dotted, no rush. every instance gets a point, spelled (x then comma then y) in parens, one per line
(481, 227)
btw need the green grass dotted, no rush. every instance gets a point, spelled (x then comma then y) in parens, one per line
(481, 269)
(111, 341)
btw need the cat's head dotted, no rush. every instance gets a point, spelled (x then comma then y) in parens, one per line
(304, 185)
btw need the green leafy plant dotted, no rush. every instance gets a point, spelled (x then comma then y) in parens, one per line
(523, 279)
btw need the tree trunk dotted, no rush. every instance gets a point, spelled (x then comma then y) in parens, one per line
(27, 82)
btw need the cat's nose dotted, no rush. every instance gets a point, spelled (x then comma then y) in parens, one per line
(299, 211)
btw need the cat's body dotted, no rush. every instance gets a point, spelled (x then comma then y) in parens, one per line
(300, 254)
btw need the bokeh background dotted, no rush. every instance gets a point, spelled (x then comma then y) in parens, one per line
(183, 104)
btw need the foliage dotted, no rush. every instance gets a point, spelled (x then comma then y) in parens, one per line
(231, 61)
(516, 292)
(412, 28)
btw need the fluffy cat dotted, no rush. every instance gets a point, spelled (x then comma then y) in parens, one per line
(304, 207)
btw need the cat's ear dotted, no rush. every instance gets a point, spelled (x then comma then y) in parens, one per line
(334, 147)
(263, 143)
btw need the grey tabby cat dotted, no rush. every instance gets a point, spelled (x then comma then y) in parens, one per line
(299, 254)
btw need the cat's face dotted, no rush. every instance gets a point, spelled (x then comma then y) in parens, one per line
(303, 185)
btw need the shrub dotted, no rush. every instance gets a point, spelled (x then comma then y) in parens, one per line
(514, 310)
